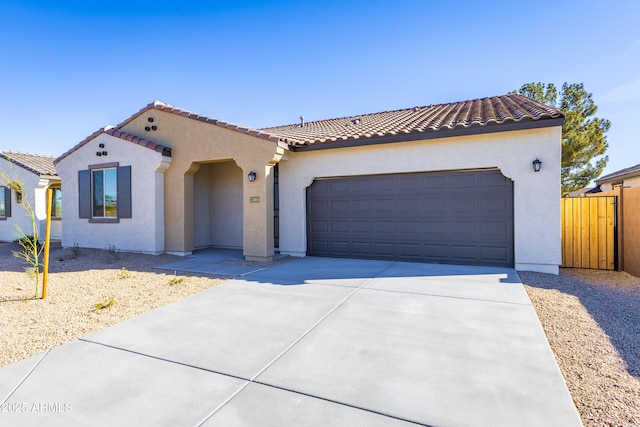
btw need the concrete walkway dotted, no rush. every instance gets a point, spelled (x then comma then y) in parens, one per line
(311, 342)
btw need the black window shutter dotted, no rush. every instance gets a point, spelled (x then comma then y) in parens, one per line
(7, 202)
(124, 192)
(84, 190)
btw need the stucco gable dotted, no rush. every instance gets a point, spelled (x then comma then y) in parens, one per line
(161, 106)
(113, 131)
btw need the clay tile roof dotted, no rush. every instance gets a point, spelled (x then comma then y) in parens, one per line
(113, 131)
(470, 114)
(39, 165)
(161, 106)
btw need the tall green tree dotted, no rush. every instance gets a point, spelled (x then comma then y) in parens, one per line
(584, 142)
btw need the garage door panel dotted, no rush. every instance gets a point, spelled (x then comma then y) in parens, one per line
(464, 231)
(492, 180)
(361, 248)
(340, 226)
(409, 228)
(384, 249)
(463, 204)
(384, 205)
(337, 186)
(435, 252)
(339, 247)
(319, 206)
(409, 206)
(409, 183)
(458, 217)
(361, 205)
(318, 226)
(462, 181)
(408, 250)
(384, 227)
(495, 254)
(319, 246)
(384, 183)
(340, 206)
(361, 227)
(496, 231)
(434, 181)
(493, 203)
(465, 252)
(433, 204)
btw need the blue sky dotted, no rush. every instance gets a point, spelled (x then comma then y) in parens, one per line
(67, 68)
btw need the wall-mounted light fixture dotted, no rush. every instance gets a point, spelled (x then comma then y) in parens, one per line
(251, 176)
(537, 164)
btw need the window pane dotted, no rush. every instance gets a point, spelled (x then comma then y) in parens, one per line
(98, 193)
(56, 203)
(2, 208)
(111, 192)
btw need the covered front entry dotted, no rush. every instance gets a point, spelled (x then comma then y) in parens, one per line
(217, 210)
(458, 217)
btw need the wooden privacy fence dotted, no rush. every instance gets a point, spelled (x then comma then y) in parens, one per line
(588, 232)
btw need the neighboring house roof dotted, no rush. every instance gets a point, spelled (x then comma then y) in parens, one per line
(619, 175)
(37, 164)
(433, 121)
(583, 191)
(111, 130)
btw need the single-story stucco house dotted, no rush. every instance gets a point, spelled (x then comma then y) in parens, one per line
(627, 177)
(447, 183)
(24, 180)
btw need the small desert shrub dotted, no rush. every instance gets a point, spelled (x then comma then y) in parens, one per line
(105, 304)
(176, 281)
(124, 274)
(114, 252)
(75, 251)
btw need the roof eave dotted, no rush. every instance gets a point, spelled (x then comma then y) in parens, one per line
(618, 176)
(441, 133)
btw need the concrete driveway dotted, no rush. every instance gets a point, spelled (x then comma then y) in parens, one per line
(312, 342)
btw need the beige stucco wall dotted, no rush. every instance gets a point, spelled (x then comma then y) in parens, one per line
(194, 142)
(628, 182)
(536, 195)
(218, 206)
(35, 189)
(144, 232)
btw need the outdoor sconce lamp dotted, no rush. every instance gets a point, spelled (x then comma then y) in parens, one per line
(251, 176)
(536, 165)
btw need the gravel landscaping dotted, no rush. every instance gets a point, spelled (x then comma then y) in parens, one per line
(80, 279)
(591, 317)
(592, 321)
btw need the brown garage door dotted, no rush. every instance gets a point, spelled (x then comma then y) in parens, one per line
(460, 217)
